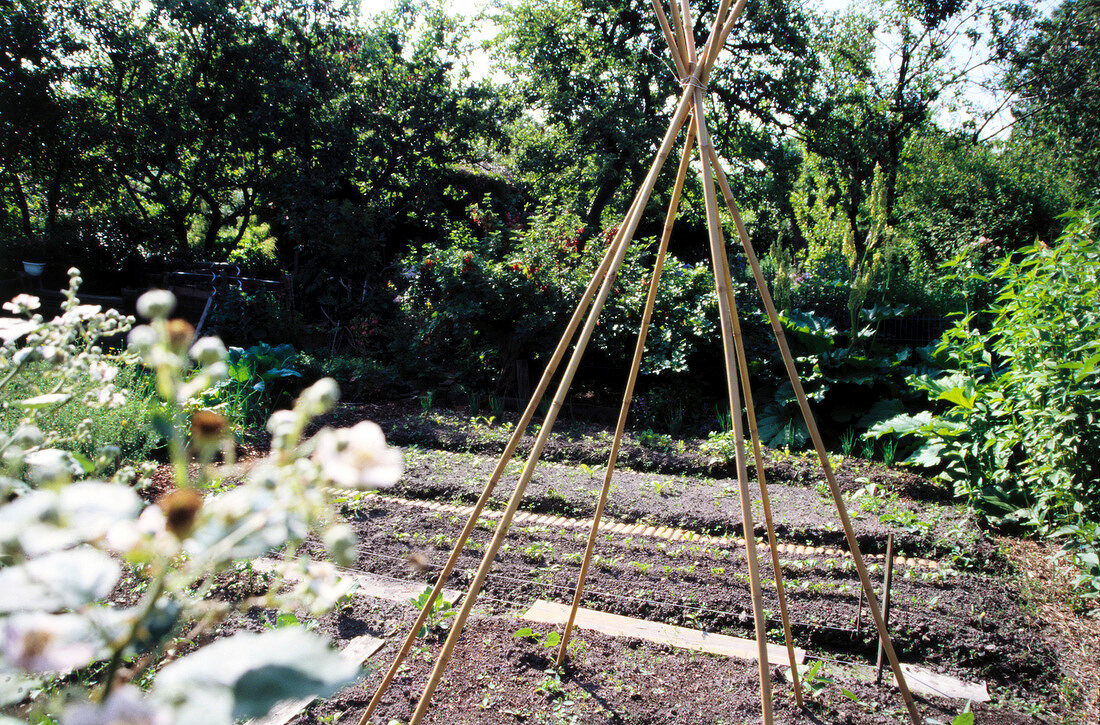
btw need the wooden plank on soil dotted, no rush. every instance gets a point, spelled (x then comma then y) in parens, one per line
(619, 626)
(356, 650)
(393, 590)
(927, 682)
(379, 587)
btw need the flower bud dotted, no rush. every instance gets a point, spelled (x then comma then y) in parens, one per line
(156, 304)
(208, 428)
(142, 339)
(180, 508)
(180, 335)
(49, 466)
(26, 436)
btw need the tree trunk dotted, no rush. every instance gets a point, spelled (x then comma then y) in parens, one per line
(21, 202)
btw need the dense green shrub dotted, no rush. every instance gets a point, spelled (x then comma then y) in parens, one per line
(247, 318)
(472, 306)
(359, 378)
(1016, 430)
(259, 379)
(954, 193)
(128, 426)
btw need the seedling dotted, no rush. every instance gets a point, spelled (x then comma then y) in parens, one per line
(550, 639)
(440, 615)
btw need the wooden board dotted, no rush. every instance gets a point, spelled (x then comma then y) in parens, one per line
(356, 650)
(393, 590)
(619, 626)
(921, 680)
(927, 682)
(380, 587)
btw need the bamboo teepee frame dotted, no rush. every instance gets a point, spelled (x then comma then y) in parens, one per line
(693, 68)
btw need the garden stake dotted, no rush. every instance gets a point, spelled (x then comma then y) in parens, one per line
(628, 393)
(681, 71)
(509, 450)
(887, 578)
(819, 446)
(627, 232)
(678, 23)
(688, 48)
(720, 279)
(859, 613)
(758, 456)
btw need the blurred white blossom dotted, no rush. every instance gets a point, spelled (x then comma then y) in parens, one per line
(21, 304)
(38, 642)
(125, 706)
(357, 457)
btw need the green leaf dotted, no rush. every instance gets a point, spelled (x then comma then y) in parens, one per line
(882, 410)
(286, 619)
(927, 456)
(85, 462)
(963, 718)
(900, 425)
(551, 640)
(962, 397)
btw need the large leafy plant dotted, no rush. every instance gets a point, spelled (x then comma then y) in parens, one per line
(1015, 424)
(257, 379)
(66, 539)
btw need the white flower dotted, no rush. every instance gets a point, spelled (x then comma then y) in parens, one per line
(38, 642)
(142, 338)
(319, 398)
(124, 706)
(357, 457)
(156, 304)
(142, 538)
(208, 350)
(26, 436)
(102, 372)
(51, 464)
(111, 398)
(21, 304)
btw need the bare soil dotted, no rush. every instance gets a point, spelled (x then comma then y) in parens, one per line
(988, 612)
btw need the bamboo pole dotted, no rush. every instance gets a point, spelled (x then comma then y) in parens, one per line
(720, 277)
(689, 29)
(627, 230)
(698, 75)
(888, 577)
(819, 445)
(765, 500)
(681, 42)
(677, 58)
(712, 52)
(632, 378)
(505, 457)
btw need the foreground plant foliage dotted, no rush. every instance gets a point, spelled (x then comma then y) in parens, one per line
(1017, 430)
(67, 537)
